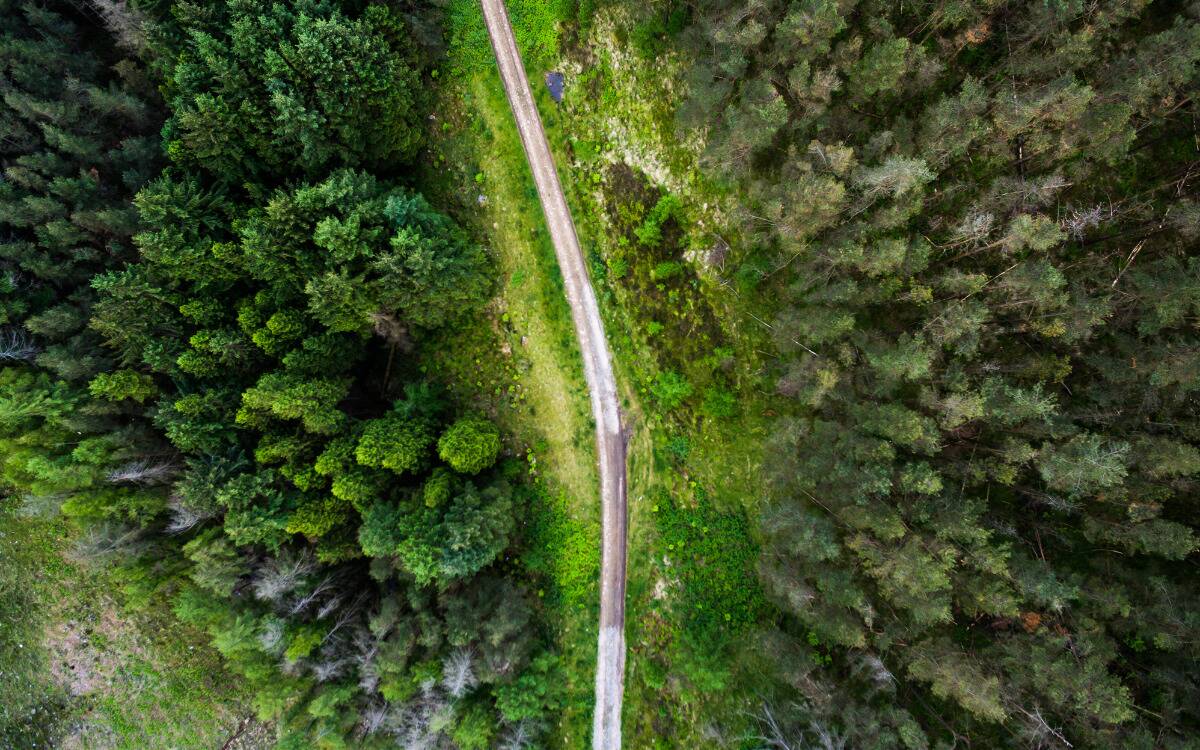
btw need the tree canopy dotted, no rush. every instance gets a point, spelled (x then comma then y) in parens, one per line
(983, 222)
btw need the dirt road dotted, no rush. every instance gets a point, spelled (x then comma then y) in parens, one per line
(597, 369)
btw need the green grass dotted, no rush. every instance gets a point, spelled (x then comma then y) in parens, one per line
(32, 707)
(79, 668)
(566, 553)
(536, 25)
(524, 344)
(710, 554)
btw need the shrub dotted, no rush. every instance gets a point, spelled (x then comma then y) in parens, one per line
(650, 231)
(670, 389)
(618, 267)
(679, 447)
(470, 445)
(666, 270)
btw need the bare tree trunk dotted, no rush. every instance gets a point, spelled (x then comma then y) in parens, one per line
(241, 729)
(387, 373)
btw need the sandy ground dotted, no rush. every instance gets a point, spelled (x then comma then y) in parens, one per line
(611, 439)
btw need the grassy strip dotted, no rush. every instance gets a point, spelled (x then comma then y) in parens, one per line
(536, 25)
(32, 707)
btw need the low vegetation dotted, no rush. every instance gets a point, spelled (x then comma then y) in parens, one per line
(82, 668)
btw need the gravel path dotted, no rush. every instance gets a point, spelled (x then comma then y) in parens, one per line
(597, 369)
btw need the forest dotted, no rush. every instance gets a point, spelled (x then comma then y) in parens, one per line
(976, 225)
(904, 299)
(217, 270)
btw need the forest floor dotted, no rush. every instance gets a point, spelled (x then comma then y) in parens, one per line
(88, 673)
